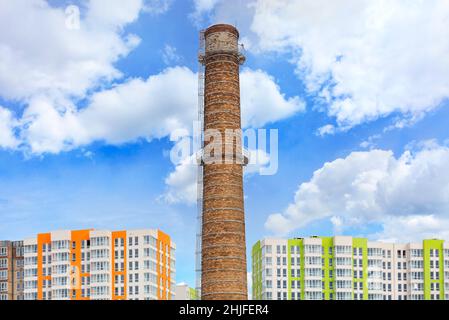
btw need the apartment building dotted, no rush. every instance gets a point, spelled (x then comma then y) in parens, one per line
(11, 270)
(184, 292)
(99, 265)
(346, 268)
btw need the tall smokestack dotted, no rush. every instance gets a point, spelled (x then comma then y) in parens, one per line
(223, 255)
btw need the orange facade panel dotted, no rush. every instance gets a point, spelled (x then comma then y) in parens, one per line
(120, 236)
(75, 262)
(163, 265)
(42, 239)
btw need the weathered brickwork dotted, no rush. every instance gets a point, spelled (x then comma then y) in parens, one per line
(223, 232)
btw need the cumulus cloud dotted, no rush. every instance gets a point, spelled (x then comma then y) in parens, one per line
(235, 12)
(182, 183)
(143, 108)
(47, 69)
(7, 138)
(258, 159)
(390, 56)
(375, 187)
(262, 100)
(43, 56)
(202, 7)
(135, 109)
(146, 109)
(370, 143)
(326, 130)
(414, 228)
(50, 69)
(49, 128)
(157, 6)
(113, 13)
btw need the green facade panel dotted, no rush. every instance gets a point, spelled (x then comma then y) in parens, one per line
(294, 243)
(363, 244)
(328, 268)
(256, 256)
(429, 245)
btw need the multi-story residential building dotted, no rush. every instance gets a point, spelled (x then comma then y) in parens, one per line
(184, 292)
(346, 268)
(11, 270)
(99, 265)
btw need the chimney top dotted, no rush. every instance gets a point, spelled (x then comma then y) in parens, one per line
(222, 27)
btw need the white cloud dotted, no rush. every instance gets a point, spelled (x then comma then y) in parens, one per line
(370, 142)
(325, 130)
(202, 7)
(157, 6)
(262, 100)
(374, 187)
(389, 56)
(135, 109)
(7, 123)
(143, 109)
(47, 66)
(258, 159)
(113, 13)
(182, 183)
(49, 128)
(39, 55)
(236, 12)
(147, 109)
(337, 222)
(170, 55)
(51, 67)
(414, 228)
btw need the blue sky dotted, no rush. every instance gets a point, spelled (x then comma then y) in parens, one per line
(73, 158)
